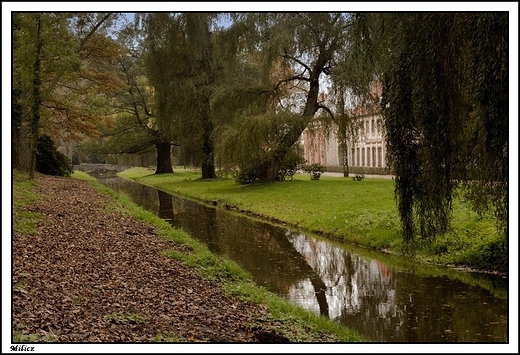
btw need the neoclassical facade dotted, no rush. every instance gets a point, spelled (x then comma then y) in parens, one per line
(369, 149)
(366, 149)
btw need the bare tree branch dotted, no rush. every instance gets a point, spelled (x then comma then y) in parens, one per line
(326, 109)
(290, 57)
(286, 80)
(93, 30)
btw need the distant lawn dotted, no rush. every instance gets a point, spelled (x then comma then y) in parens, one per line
(361, 212)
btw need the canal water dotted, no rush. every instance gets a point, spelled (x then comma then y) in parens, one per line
(360, 289)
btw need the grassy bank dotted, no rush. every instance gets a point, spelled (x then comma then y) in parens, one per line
(359, 212)
(285, 318)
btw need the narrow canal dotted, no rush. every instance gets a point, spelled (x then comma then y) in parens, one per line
(359, 290)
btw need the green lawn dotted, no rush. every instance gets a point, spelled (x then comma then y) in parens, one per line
(360, 212)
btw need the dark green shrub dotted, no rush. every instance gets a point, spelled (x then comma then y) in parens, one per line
(290, 165)
(359, 177)
(315, 170)
(50, 161)
(246, 175)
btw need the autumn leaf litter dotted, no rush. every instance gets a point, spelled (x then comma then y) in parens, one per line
(91, 274)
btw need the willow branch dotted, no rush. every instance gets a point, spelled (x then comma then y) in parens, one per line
(326, 109)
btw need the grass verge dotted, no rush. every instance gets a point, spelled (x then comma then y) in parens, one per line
(25, 193)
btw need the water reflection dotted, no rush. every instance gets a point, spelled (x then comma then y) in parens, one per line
(362, 293)
(390, 305)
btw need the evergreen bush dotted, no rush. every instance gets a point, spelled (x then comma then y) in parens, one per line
(50, 161)
(315, 170)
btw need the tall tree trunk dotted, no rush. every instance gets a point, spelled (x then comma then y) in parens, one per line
(37, 100)
(164, 163)
(208, 160)
(21, 154)
(344, 149)
(208, 155)
(208, 148)
(342, 130)
(345, 166)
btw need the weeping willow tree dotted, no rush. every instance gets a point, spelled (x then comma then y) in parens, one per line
(276, 82)
(161, 32)
(198, 88)
(180, 66)
(247, 113)
(445, 107)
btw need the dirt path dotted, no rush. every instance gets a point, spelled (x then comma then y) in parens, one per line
(95, 276)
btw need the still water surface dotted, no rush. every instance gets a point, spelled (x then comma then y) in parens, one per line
(382, 302)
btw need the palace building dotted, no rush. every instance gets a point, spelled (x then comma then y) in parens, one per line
(366, 147)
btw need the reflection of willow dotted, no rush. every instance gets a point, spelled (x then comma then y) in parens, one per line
(210, 228)
(165, 206)
(299, 262)
(198, 220)
(264, 251)
(142, 195)
(388, 305)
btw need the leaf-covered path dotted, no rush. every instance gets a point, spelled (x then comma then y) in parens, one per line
(95, 275)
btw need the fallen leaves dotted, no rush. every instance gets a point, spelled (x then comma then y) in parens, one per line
(90, 275)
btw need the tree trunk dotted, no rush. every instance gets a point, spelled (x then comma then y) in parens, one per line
(164, 163)
(342, 130)
(21, 154)
(208, 161)
(208, 156)
(345, 166)
(344, 149)
(268, 169)
(35, 117)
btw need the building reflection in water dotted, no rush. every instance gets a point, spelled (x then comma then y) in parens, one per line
(342, 273)
(388, 305)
